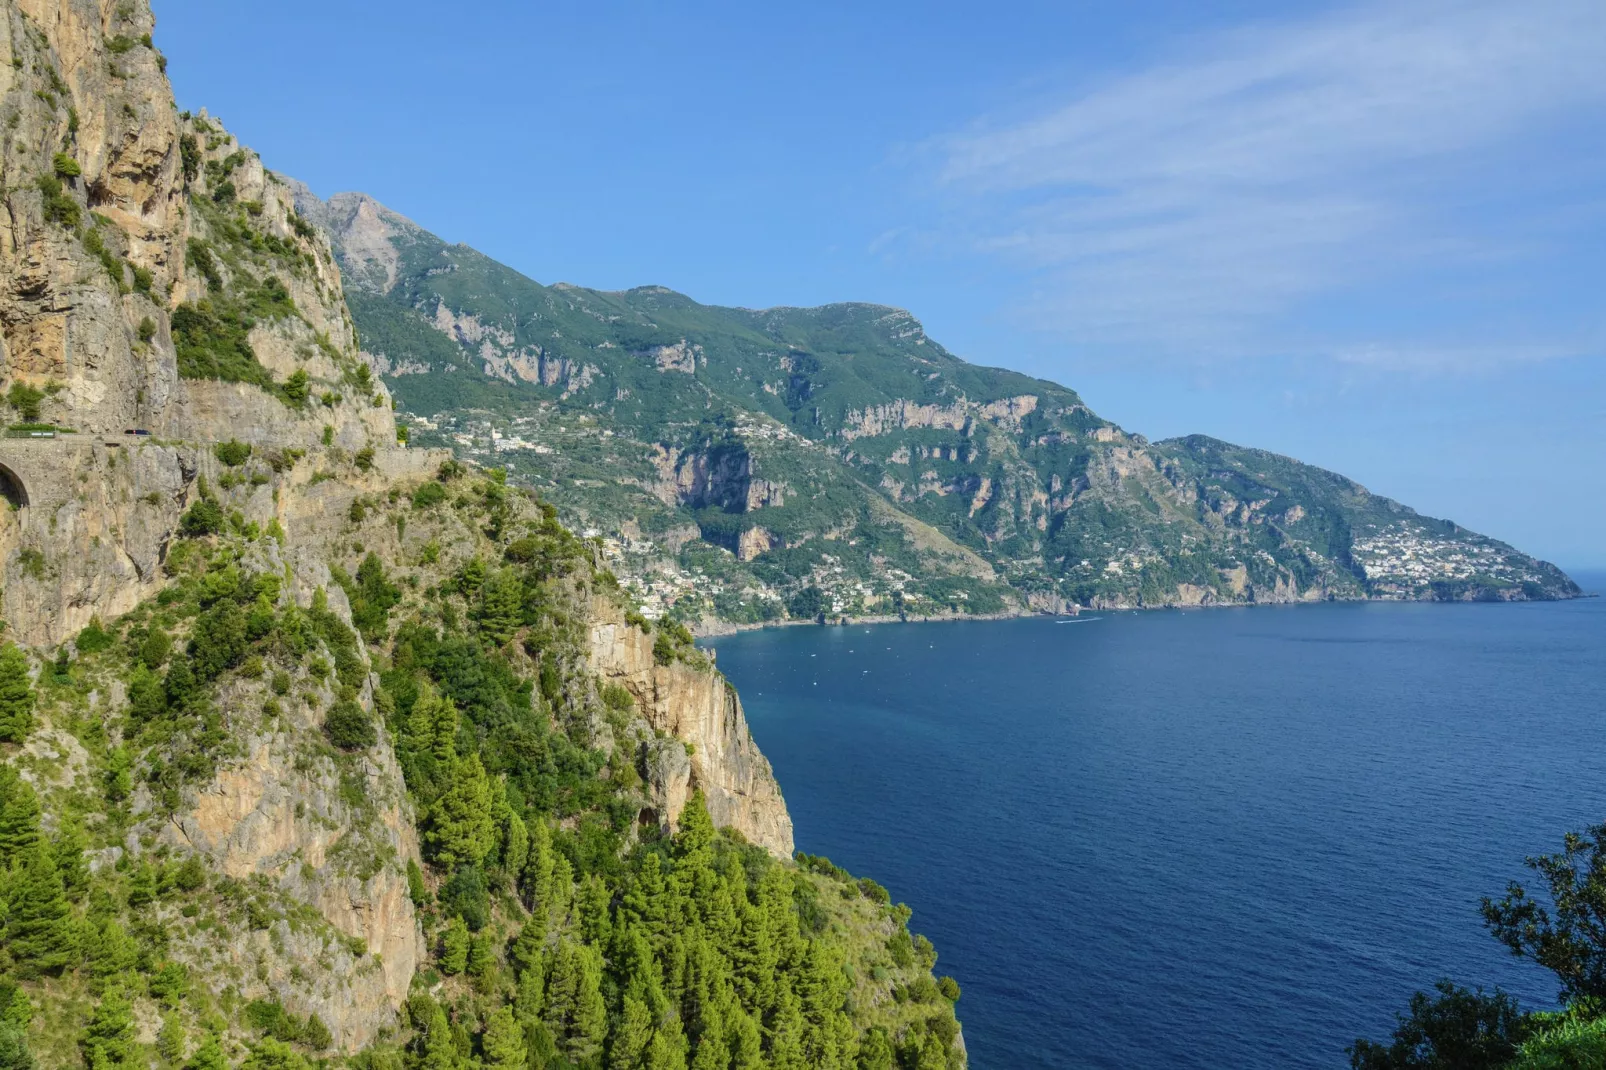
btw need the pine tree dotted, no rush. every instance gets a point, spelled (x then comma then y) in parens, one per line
(593, 904)
(460, 828)
(746, 1042)
(503, 1041)
(14, 1051)
(525, 953)
(170, 1041)
(68, 852)
(645, 901)
(643, 977)
(786, 1033)
(39, 929)
(668, 1048)
(713, 1042)
(16, 695)
(19, 816)
(111, 951)
(501, 605)
(575, 1011)
(515, 845)
(181, 686)
(822, 986)
(209, 1056)
(108, 1040)
(147, 696)
(537, 876)
(481, 955)
(270, 1054)
(529, 994)
(561, 896)
(454, 947)
(437, 1048)
(933, 1054)
(875, 1051)
(631, 1035)
(15, 1009)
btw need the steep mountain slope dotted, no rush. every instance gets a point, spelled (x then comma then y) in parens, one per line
(314, 747)
(847, 463)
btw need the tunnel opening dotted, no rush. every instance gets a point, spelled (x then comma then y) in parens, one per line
(12, 489)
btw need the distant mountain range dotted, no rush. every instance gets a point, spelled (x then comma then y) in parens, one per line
(796, 462)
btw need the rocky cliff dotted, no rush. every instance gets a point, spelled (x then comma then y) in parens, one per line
(288, 710)
(698, 708)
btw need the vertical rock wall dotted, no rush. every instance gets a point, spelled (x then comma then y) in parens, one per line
(701, 709)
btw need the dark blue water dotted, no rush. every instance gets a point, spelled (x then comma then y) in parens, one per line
(1224, 838)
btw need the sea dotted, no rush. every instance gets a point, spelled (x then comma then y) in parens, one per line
(1224, 838)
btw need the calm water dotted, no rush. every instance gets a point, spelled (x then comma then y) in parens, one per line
(1224, 838)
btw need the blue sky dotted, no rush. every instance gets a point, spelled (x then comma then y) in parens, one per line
(1369, 235)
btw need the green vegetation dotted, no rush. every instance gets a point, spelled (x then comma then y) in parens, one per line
(566, 928)
(213, 343)
(880, 470)
(27, 399)
(59, 206)
(1469, 1030)
(232, 453)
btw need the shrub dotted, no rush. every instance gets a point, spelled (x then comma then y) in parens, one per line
(65, 166)
(59, 207)
(428, 494)
(268, 1016)
(147, 329)
(94, 638)
(155, 648)
(26, 400)
(205, 517)
(232, 452)
(1567, 939)
(365, 458)
(297, 388)
(349, 726)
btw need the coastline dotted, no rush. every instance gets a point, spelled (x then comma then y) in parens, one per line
(713, 629)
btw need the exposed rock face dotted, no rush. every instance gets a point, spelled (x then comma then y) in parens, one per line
(902, 415)
(701, 709)
(341, 847)
(111, 198)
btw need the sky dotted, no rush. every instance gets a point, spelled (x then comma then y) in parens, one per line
(1371, 236)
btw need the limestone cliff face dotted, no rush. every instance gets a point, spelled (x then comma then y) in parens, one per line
(131, 238)
(117, 215)
(701, 709)
(283, 812)
(117, 212)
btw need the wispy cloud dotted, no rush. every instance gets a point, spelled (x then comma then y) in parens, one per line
(1209, 203)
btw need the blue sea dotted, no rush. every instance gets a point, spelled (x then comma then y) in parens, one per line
(1227, 838)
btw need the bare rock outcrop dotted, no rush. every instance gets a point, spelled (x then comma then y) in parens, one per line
(701, 709)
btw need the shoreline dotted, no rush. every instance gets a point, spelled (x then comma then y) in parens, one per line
(715, 629)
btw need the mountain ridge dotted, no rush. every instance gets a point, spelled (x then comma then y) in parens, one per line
(843, 403)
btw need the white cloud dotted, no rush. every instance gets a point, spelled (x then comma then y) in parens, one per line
(1198, 205)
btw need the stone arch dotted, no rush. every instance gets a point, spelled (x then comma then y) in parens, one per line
(12, 488)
